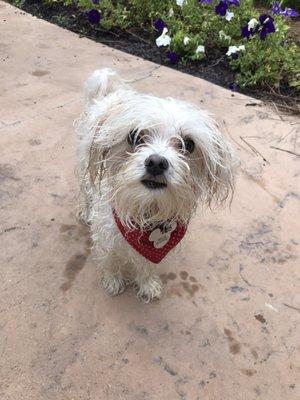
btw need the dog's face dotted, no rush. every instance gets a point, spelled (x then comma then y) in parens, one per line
(157, 157)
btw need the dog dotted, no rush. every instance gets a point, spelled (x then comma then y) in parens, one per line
(143, 165)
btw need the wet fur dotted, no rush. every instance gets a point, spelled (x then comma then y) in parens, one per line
(109, 171)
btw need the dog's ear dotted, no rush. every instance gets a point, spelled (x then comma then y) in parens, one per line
(98, 86)
(218, 166)
(96, 165)
(101, 83)
(221, 175)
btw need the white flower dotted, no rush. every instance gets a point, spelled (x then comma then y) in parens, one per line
(231, 50)
(235, 49)
(163, 39)
(252, 23)
(180, 3)
(200, 49)
(229, 15)
(171, 12)
(186, 40)
(222, 35)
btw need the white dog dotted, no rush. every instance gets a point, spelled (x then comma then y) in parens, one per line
(143, 164)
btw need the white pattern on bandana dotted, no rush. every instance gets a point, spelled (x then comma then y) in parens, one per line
(160, 236)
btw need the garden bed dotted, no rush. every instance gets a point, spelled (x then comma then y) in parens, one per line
(140, 41)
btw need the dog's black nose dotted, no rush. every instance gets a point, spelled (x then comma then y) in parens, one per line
(156, 165)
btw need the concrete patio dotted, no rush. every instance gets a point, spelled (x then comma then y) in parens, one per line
(227, 326)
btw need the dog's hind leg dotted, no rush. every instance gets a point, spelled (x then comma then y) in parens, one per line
(83, 211)
(85, 194)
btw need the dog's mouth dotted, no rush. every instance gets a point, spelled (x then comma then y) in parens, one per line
(151, 184)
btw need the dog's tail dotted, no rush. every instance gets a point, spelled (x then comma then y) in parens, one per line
(101, 83)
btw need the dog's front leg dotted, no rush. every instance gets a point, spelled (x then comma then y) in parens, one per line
(147, 283)
(112, 278)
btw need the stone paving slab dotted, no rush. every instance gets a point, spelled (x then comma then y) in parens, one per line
(227, 326)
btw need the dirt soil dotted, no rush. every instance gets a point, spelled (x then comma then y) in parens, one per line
(214, 68)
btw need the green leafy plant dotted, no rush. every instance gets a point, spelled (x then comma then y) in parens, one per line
(262, 54)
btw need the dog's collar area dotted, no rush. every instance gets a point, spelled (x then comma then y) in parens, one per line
(155, 242)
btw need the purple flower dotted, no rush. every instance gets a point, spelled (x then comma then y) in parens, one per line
(95, 1)
(251, 28)
(289, 12)
(228, 2)
(246, 32)
(267, 26)
(276, 8)
(173, 57)
(94, 16)
(159, 24)
(221, 8)
(233, 2)
(264, 27)
(233, 86)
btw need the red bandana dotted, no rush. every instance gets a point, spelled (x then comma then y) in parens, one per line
(153, 244)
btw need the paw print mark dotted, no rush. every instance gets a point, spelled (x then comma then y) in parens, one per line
(183, 275)
(75, 264)
(167, 277)
(190, 288)
(188, 283)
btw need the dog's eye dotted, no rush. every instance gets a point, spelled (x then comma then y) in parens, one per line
(189, 145)
(134, 139)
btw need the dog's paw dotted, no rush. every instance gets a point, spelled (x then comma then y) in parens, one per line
(113, 284)
(149, 290)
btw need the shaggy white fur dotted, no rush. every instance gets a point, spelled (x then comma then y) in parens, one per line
(117, 132)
